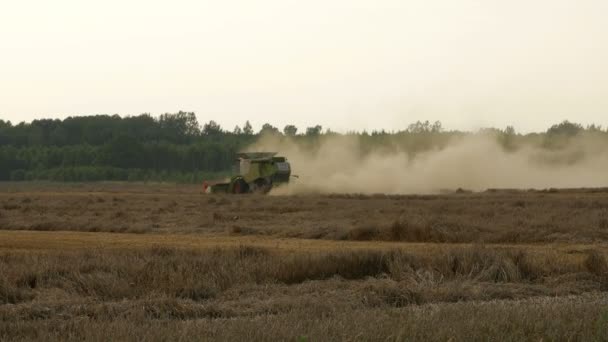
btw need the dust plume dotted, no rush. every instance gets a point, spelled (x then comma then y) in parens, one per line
(338, 164)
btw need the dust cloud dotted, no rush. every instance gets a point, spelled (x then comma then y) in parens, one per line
(474, 162)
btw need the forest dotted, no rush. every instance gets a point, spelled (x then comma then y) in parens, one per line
(175, 147)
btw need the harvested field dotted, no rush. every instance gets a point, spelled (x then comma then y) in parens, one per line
(552, 216)
(158, 262)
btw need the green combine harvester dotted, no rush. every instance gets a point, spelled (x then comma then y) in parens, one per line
(253, 172)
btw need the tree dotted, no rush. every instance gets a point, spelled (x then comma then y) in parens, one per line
(508, 138)
(420, 127)
(179, 127)
(565, 128)
(290, 130)
(269, 129)
(5, 129)
(123, 152)
(5, 124)
(191, 123)
(437, 127)
(237, 130)
(247, 129)
(314, 131)
(212, 129)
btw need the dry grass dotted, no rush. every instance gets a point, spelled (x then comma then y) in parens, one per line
(122, 292)
(576, 216)
(574, 318)
(503, 265)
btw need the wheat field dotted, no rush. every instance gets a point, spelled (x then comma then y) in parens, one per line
(109, 261)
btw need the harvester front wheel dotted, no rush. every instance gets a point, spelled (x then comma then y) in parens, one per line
(240, 186)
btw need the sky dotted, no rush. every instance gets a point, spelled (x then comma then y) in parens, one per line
(343, 64)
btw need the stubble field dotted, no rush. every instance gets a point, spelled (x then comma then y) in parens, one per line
(157, 262)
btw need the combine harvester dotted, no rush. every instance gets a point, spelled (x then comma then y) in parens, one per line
(253, 172)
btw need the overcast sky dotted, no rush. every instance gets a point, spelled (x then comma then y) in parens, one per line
(344, 64)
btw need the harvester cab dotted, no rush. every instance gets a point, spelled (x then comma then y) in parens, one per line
(254, 172)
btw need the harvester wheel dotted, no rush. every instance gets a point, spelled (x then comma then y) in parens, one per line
(240, 186)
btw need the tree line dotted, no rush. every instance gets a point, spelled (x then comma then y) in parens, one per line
(175, 147)
(171, 147)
